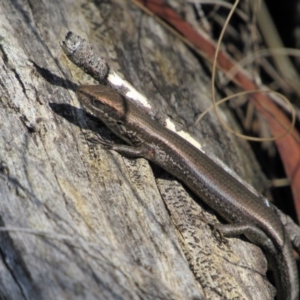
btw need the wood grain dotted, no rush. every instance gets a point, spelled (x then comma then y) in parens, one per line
(102, 228)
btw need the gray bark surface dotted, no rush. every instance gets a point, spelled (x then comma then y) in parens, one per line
(86, 223)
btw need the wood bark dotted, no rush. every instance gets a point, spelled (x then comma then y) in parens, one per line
(86, 223)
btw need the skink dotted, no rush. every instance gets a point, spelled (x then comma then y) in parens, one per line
(245, 211)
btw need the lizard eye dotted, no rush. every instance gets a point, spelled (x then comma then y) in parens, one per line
(95, 103)
(119, 122)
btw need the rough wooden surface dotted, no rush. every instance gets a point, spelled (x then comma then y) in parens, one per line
(90, 223)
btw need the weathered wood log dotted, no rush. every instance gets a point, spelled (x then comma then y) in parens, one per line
(86, 223)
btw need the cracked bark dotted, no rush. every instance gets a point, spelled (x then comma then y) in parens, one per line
(103, 226)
